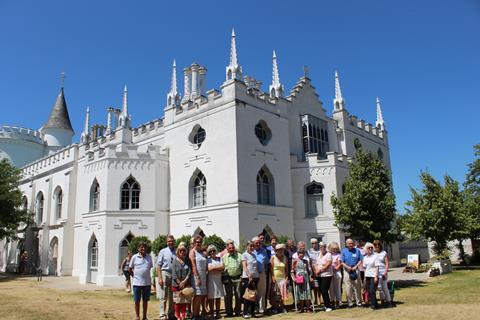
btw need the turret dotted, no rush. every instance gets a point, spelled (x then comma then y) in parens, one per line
(58, 131)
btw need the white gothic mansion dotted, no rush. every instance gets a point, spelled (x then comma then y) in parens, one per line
(233, 162)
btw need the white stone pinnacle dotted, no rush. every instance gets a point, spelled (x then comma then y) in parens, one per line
(173, 89)
(338, 90)
(379, 121)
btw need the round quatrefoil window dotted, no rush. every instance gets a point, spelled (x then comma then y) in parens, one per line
(263, 132)
(197, 136)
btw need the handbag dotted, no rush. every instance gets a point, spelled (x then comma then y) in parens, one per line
(250, 294)
(299, 279)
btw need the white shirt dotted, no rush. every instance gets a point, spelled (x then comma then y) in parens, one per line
(141, 269)
(381, 257)
(370, 264)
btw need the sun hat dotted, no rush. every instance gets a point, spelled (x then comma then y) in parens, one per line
(187, 292)
(280, 246)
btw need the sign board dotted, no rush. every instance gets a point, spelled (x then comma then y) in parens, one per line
(413, 260)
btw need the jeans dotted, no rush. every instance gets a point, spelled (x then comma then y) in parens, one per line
(384, 293)
(233, 289)
(372, 291)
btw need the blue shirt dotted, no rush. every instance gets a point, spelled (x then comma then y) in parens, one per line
(262, 259)
(165, 259)
(351, 258)
(141, 269)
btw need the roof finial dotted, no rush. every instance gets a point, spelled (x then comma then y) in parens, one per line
(379, 123)
(234, 71)
(62, 79)
(84, 137)
(276, 88)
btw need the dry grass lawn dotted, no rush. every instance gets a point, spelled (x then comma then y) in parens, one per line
(453, 296)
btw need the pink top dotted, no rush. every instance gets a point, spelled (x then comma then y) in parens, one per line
(323, 260)
(336, 260)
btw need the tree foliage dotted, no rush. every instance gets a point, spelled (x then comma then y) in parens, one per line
(366, 210)
(12, 215)
(436, 212)
(134, 243)
(159, 243)
(185, 239)
(215, 240)
(472, 194)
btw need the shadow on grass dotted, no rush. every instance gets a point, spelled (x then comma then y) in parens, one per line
(402, 284)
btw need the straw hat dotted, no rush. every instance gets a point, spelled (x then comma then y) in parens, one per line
(280, 246)
(187, 292)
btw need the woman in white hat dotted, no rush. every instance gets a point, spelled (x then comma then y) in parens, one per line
(215, 287)
(181, 283)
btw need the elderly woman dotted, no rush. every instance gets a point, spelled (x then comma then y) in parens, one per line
(215, 286)
(301, 271)
(181, 273)
(370, 264)
(250, 278)
(279, 278)
(336, 285)
(324, 273)
(382, 261)
(199, 283)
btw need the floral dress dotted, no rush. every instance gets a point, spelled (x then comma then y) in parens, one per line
(301, 269)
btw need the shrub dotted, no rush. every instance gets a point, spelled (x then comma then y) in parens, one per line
(185, 238)
(133, 246)
(215, 240)
(159, 243)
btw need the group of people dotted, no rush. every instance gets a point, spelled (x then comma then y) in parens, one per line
(192, 279)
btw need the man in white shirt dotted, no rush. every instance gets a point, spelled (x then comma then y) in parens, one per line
(139, 268)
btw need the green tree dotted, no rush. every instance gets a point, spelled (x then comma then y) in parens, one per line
(216, 241)
(472, 194)
(159, 243)
(435, 212)
(366, 210)
(12, 216)
(133, 245)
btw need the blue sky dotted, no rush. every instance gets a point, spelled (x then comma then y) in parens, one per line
(422, 58)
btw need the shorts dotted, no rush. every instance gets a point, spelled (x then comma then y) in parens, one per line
(127, 275)
(141, 293)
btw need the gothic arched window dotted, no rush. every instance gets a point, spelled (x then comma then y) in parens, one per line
(265, 187)
(199, 190)
(58, 202)
(94, 254)
(94, 196)
(314, 200)
(39, 207)
(357, 144)
(380, 154)
(130, 194)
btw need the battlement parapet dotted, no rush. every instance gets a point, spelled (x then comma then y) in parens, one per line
(19, 133)
(366, 127)
(147, 130)
(60, 157)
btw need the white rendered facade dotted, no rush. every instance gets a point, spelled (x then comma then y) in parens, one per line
(233, 162)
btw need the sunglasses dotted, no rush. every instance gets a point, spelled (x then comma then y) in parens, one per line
(198, 241)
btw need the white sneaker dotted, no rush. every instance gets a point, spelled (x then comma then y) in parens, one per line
(328, 309)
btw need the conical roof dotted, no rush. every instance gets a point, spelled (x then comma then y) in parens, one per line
(59, 115)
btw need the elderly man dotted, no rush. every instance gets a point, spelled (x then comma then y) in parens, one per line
(351, 260)
(262, 265)
(314, 254)
(232, 262)
(164, 274)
